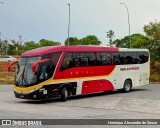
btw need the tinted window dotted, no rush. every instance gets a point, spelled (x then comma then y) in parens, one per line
(99, 58)
(142, 57)
(135, 60)
(76, 59)
(49, 66)
(106, 58)
(146, 56)
(84, 59)
(129, 58)
(116, 58)
(122, 58)
(103, 58)
(67, 61)
(88, 59)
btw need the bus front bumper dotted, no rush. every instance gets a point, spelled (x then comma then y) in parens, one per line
(39, 94)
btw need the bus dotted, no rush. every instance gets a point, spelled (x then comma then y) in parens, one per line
(63, 71)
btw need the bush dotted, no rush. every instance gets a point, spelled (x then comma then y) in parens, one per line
(155, 78)
(5, 76)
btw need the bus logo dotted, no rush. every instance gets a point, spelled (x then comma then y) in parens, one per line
(129, 69)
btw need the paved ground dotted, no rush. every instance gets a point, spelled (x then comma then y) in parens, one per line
(141, 103)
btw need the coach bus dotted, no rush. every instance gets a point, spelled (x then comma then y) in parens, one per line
(62, 71)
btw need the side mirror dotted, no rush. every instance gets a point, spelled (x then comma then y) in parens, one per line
(36, 64)
(9, 66)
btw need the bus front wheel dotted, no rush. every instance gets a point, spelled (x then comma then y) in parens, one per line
(64, 94)
(127, 86)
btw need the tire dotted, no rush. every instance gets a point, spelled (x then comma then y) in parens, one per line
(127, 86)
(64, 94)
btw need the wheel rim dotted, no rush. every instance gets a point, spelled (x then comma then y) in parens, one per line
(66, 94)
(127, 86)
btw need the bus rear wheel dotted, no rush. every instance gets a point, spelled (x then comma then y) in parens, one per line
(127, 86)
(64, 94)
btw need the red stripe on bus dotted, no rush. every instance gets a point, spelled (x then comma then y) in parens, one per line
(78, 72)
(96, 86)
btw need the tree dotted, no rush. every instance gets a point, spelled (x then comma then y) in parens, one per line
(110, 35)
(30, 45)
(138, 41)
(44, 42)
(90, 40)
(72, 41)
(123, 43)
(13, 49)
(2, 45)
(15, 44)
(152, 31)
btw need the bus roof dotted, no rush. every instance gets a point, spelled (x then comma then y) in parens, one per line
(50, 49)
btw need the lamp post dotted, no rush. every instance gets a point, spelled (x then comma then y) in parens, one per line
(128, 22)
(0, 32)
(69, 25)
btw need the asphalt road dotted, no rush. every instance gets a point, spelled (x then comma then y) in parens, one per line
(141, 103)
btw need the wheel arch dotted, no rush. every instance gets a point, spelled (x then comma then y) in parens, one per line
(129, 79)
(68, 87)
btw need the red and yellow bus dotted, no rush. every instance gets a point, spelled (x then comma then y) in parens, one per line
(62, 71)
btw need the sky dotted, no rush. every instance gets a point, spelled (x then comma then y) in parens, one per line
(48, 19)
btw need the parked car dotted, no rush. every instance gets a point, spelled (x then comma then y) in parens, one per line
(7, 59)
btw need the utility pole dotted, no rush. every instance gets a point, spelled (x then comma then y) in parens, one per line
(6, 41)
(69, 25)
(20, 39)
(0, 32)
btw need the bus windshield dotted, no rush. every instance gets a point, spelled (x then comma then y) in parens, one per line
(24, 76)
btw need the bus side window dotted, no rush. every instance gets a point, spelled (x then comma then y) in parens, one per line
(122, 58)
(67, 61)
(106, 58)
(142, 57)
(116, 58)
(76, 59)
(129, 57)
(99, 59)
(91, 58)
(146, 56)
(135, 60)
(83, 59)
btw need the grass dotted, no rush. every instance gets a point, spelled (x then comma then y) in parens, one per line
(5, 76)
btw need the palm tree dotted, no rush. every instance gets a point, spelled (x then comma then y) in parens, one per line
(110, 35)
